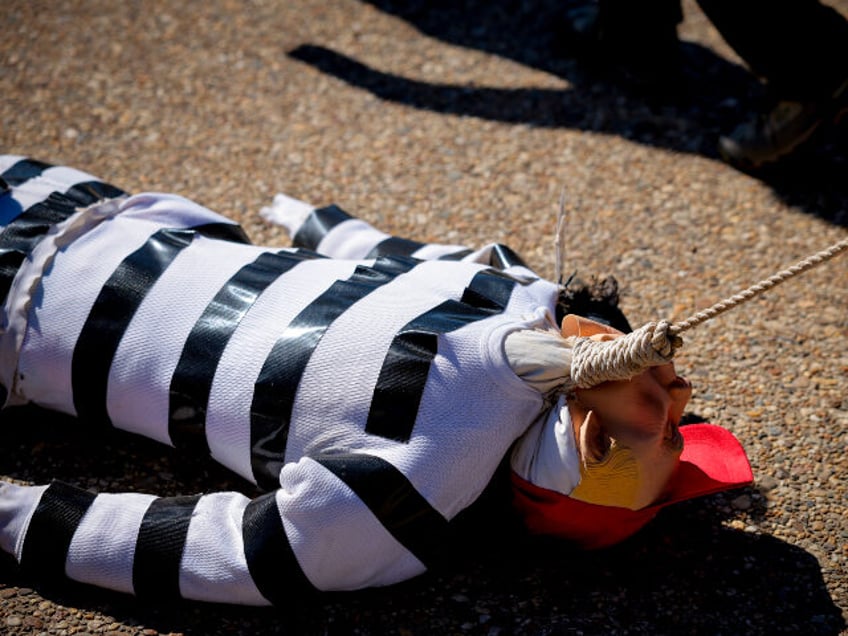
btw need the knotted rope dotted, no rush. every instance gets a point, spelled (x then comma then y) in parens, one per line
(655, 343)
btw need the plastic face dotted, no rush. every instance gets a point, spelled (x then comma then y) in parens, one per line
(627, 433)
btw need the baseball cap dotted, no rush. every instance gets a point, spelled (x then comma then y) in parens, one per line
(712, 461)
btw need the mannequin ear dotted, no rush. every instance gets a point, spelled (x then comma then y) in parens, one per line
(592, 440)
(574, 325)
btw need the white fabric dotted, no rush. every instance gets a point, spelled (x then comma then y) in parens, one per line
(17, 503)
(287, 211)
(7, 161)
(213, 565)
(352, 238)
(547, 454)
(433, 251)
(310, 498)
(540, 357)
(102, 548)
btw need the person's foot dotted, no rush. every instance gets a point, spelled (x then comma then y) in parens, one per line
(777, 133)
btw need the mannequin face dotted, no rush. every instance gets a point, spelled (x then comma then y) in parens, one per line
(627, 434)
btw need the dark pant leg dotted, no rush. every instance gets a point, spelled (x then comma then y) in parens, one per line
(633, 21)
(800, 47)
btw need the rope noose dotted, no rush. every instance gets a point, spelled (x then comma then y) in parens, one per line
(655, 343)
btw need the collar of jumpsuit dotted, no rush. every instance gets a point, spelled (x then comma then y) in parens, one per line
(546, 470)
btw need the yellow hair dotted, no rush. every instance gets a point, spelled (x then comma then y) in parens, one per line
(611, 482)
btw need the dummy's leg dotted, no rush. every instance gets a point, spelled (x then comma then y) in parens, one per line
(335, 233)
(338, 522)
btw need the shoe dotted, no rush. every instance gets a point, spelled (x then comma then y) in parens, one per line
(780, 131)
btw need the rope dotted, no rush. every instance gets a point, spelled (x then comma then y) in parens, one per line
(656, 343)
(594, 362)
(755, 290)
(559, 241)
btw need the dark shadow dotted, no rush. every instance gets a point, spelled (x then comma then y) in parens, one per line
(684, 573)
(712, 99)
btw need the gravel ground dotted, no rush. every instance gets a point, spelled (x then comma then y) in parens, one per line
(464, 124)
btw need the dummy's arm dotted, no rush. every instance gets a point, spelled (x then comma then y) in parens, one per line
(337, 522)
(335, 233)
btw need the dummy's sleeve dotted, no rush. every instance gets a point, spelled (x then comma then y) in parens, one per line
(542, 358)
(336, 523)
(333, 232)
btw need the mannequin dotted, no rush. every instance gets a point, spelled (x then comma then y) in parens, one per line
(369, 385)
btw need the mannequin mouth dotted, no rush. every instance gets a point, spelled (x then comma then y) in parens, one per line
(674, 441)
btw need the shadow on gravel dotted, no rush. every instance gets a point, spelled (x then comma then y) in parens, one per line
(713, 100)
(684, 573)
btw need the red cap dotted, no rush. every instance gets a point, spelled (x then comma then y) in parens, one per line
(713, 460)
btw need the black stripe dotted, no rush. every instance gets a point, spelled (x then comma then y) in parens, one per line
(270, 558)
(23, 170)
(115, 307)
(503, 257)
(489, 289)
(317, 225)
(192, 380)
(230, 232)
(4, 187)
(400, 508)
(27, 229)
(400, 385)
(10, 263)
(395, 246)
(455, 256)
(276, 387)
(90, 192)
(159, 547)
(57, 517)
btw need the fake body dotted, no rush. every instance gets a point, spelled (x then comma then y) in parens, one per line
(369, 393)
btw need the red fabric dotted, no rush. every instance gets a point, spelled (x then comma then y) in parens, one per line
(713, 460)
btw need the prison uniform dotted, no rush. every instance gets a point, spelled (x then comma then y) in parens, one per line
(367, 395)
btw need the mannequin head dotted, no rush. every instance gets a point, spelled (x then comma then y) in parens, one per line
(626, 431)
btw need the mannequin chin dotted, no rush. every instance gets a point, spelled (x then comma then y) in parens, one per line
(626, 431)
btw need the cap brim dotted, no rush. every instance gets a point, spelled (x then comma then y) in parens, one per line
(713, 460)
